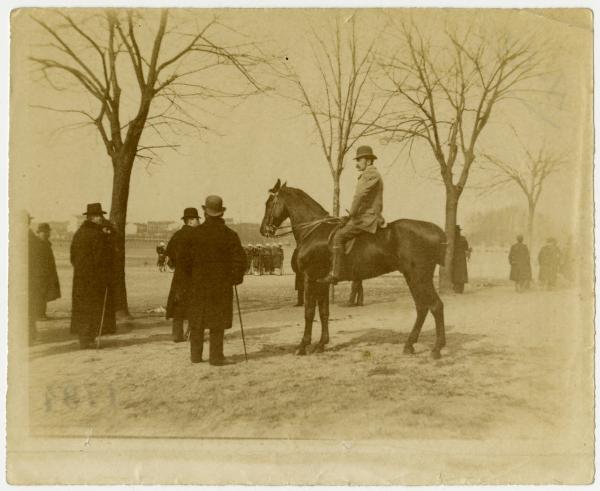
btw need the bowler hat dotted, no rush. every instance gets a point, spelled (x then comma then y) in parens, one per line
(213, 206)
(94, 209)
(364, 151)
(190, 213)
(43, 227)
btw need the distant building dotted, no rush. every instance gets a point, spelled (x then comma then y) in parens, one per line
(60, 230)
(159, 230)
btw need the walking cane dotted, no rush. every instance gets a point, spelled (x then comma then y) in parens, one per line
(237, 299)
(102, 319)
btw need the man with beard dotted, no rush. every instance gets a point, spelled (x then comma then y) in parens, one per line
(178, 295)
(92, 253)
(214, 258)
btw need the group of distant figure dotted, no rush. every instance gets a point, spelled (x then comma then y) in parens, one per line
(551, 262)
(261, 259)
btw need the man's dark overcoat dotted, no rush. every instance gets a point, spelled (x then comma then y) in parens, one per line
(49, 276)
(92, 259)
(178, 294)
(520, 264)
(549, 261)
(459, 264)
(215, 261)
(35, 290)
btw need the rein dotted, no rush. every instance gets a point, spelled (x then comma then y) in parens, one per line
(311, 226)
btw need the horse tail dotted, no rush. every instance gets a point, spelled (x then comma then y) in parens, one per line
(441, 253)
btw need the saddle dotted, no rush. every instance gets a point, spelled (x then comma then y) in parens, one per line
(350, 244)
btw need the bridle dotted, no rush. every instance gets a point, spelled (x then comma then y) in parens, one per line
(307, 228)
(271, 229)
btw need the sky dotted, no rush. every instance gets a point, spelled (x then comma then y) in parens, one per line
(55, 171)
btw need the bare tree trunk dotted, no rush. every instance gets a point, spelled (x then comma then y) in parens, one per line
(530, 220)
(118, 216)
(450, 229)
(336, 196)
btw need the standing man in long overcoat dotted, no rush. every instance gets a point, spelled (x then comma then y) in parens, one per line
(92, 252)
(520, 265)
(177, 302)
(462, 252)
(34, 284)
(215, 260)
(549, 262)
(48, 277)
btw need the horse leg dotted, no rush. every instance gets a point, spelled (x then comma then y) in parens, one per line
(360, 295)
(437, 310)
(430, 300)
(310, 304)
(323, 301)
(413, 337)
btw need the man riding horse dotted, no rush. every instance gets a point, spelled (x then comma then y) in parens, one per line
(365, 212)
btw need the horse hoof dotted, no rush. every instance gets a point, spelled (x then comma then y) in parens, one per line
(436, 355)
(318, 348)
(409, 350)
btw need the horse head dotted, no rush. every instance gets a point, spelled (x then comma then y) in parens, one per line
(275, 211)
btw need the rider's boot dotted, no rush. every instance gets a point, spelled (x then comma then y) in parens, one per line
(336, 267)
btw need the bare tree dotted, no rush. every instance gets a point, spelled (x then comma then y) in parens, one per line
(139, 79)
(344, 104)
(446, 93)
(528, 173)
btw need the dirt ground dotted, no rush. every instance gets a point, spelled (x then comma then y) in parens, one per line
(511, 368)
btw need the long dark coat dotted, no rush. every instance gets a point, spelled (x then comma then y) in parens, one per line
(92, 259)
(460, 274)
(549, 261)
(35, 284)
(520, 263)
(215, 260)
(179, 292)
(50, 283)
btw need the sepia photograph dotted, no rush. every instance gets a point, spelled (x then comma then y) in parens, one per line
(327, 246)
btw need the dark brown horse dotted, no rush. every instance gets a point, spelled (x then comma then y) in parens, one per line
(410, 246)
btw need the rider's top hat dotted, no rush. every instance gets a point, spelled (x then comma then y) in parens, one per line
(190, 213)
(213, 206)
(94, 209)
(365, 151)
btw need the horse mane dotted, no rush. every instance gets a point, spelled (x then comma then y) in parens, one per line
(304, 197)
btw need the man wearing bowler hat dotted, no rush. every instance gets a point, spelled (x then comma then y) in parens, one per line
(215, 260)
(365, 212)
(178, 294)
(92, 260)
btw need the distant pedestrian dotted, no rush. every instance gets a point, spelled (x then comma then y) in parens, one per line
(356, 298)
(462, 252)
(215, 260)
(48, 276)
(520, 265)
(161, 252)
(34, 283)
(177, 303)
(92, 252)
(549, 262)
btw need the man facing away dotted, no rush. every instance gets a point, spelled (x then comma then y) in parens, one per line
(520, 265)
(92, 260)
(178, 294)
(214, 259)
(462, 253)
(365, 212)
(50, 286)
(549, 261)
